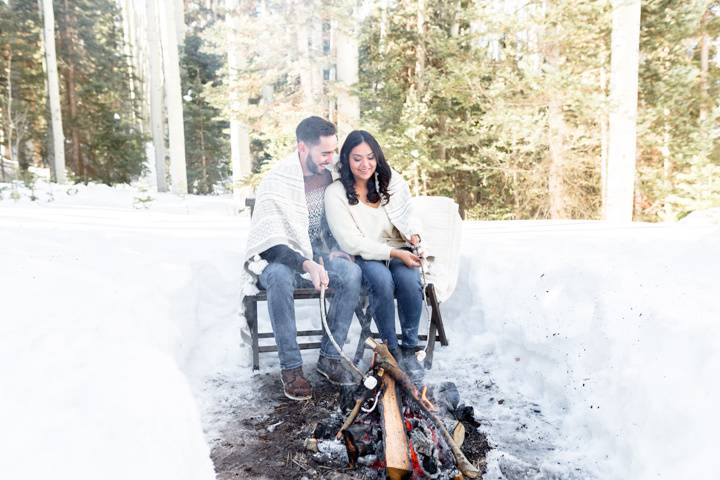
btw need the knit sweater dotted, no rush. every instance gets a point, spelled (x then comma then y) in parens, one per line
(371, 232)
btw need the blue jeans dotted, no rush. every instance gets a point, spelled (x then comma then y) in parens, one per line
(280, 280)
(394, 280)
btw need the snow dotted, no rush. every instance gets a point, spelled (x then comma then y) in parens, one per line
(587, 349)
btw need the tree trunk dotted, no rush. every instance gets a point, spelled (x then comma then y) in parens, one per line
(53, 86)
(383, 26)
(604, 139)
(155, 75)
(179, 8)
(556, 129)
(704, 65)
(206, 188)
(420, 54)
(173, 96)
(68, 38)
(239, 133)
(302, 33)
(7, 53)
(667, 213)
(126, 12)
(556, 173)
(625, 50)
(346, 54)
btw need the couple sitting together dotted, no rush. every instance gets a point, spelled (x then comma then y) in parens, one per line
(339, 226)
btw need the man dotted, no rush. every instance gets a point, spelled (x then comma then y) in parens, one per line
(288, 237)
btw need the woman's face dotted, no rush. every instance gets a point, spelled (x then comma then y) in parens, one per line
(362, 162)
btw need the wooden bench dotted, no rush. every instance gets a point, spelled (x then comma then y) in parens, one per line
(250, 302)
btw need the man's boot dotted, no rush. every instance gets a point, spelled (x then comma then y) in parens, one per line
(335, 371)
(295, 386)
(411, 365)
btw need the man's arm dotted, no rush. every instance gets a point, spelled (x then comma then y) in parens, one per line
(285, 255)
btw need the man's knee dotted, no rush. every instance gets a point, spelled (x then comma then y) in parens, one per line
(347, 274)
(277, 276)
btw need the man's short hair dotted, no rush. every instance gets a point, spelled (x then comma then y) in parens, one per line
(311, 129)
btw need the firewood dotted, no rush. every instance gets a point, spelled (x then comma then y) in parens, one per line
(386, 360)
(397, 460)
(350, 418)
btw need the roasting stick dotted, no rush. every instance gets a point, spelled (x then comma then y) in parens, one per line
(369, 381)
(420, 355)
(391, 368)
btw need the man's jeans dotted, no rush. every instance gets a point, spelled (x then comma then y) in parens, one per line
(385, 281)
(280, 280)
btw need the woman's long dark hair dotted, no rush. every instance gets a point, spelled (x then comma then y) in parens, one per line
(383, 172)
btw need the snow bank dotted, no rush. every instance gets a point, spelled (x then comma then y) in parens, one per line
(111, 316)
(612, 330)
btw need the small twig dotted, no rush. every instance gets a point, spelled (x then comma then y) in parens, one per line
(300, 465)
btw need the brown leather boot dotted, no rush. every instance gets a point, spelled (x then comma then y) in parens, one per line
(295, 386)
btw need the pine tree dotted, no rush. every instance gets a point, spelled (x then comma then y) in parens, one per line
(105, 141)
(206, 142)
(22, 99)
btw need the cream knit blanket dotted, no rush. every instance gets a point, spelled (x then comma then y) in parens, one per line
(280, 217)
(281, 214)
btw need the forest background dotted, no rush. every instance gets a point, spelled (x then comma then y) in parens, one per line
(502, 105)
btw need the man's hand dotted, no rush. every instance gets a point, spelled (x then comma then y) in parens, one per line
(408, 258)
(318, 275)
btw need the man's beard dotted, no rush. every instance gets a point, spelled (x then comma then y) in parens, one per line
(311, 166)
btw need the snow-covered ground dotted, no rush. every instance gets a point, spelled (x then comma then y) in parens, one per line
(588, 350)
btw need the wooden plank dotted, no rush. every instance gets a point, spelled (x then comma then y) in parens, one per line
(298, 294)
(301, 333)
(301, 346)
(397, 459)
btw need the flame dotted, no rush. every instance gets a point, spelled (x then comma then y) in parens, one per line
(427, 403)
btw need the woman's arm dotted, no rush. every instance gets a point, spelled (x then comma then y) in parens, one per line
(400, 209)
(345, 230)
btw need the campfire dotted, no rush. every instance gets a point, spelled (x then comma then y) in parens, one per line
(395, 430)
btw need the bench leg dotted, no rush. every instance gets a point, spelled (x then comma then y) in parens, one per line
(436, 315)
(251, 317)
(365, 319)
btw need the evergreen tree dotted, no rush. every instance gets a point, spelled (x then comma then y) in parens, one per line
(679, 154)
(22, 96)
(206, 142)
(100, 119)
(472, 119)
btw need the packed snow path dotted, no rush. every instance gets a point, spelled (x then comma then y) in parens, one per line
(588, 350)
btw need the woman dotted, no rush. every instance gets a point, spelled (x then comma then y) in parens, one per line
(368, 210)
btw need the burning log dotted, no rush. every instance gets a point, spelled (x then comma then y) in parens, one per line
(397, 461)
(392, 369)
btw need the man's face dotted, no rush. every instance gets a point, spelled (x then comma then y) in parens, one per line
(320, 156)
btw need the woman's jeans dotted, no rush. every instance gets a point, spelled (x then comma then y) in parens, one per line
(280, 280)
(384, 282)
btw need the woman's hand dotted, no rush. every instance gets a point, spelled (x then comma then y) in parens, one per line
(408, 258)
(415, 242)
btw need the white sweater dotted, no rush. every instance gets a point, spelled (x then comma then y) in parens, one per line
(361, 229)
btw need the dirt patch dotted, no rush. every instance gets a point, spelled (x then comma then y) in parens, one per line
(268, 442)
